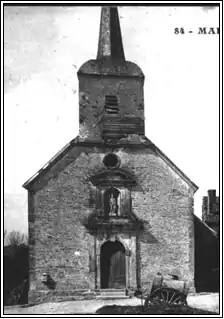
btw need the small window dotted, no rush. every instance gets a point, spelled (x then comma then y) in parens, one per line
(111, 161)
(111, 105)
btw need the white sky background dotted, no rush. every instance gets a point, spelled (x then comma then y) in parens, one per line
(41, 102)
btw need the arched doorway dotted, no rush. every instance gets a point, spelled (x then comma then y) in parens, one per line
(112, 265)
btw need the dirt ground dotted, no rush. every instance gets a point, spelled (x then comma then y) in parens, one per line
(209, 302)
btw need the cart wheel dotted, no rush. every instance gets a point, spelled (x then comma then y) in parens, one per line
(169, 296)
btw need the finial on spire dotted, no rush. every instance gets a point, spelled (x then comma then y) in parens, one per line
(110, 39)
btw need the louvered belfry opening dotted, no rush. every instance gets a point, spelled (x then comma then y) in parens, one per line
(111, 105)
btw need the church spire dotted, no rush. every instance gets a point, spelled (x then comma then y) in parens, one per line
(110, 39)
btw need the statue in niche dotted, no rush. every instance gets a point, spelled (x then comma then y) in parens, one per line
(113, 206)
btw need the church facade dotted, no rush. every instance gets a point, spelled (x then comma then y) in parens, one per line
(110, 210)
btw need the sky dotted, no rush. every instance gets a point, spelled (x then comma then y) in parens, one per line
(45, 46)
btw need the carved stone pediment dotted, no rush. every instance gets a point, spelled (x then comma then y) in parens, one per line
(116, 178)
(96, 222)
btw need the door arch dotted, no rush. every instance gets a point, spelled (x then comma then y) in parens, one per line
(112, 265)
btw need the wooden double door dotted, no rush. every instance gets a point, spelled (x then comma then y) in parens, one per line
(112, 265)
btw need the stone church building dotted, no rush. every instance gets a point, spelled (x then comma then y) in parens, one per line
(110, 210)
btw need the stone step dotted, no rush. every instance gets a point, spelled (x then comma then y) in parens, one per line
(112, 297)
(112, 291)
(112, 294)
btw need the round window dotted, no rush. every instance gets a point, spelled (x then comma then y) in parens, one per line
(111, 161)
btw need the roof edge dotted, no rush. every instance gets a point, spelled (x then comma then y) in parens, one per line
(201, 221)
(50, 163)
(109, 67)
(78, 142)
(173, 166)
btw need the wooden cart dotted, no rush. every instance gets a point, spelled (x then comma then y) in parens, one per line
(167, 290)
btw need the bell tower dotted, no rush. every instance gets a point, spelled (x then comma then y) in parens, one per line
(111, 101)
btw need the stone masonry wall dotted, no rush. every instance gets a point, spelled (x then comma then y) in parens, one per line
(60, 208)
(63, 246)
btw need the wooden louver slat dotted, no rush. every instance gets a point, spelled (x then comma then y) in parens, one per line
(111, 105)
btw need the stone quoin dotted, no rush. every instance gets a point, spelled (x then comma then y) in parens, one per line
(110, 210)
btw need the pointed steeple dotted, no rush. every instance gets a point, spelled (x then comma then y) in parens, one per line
(110, 39)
